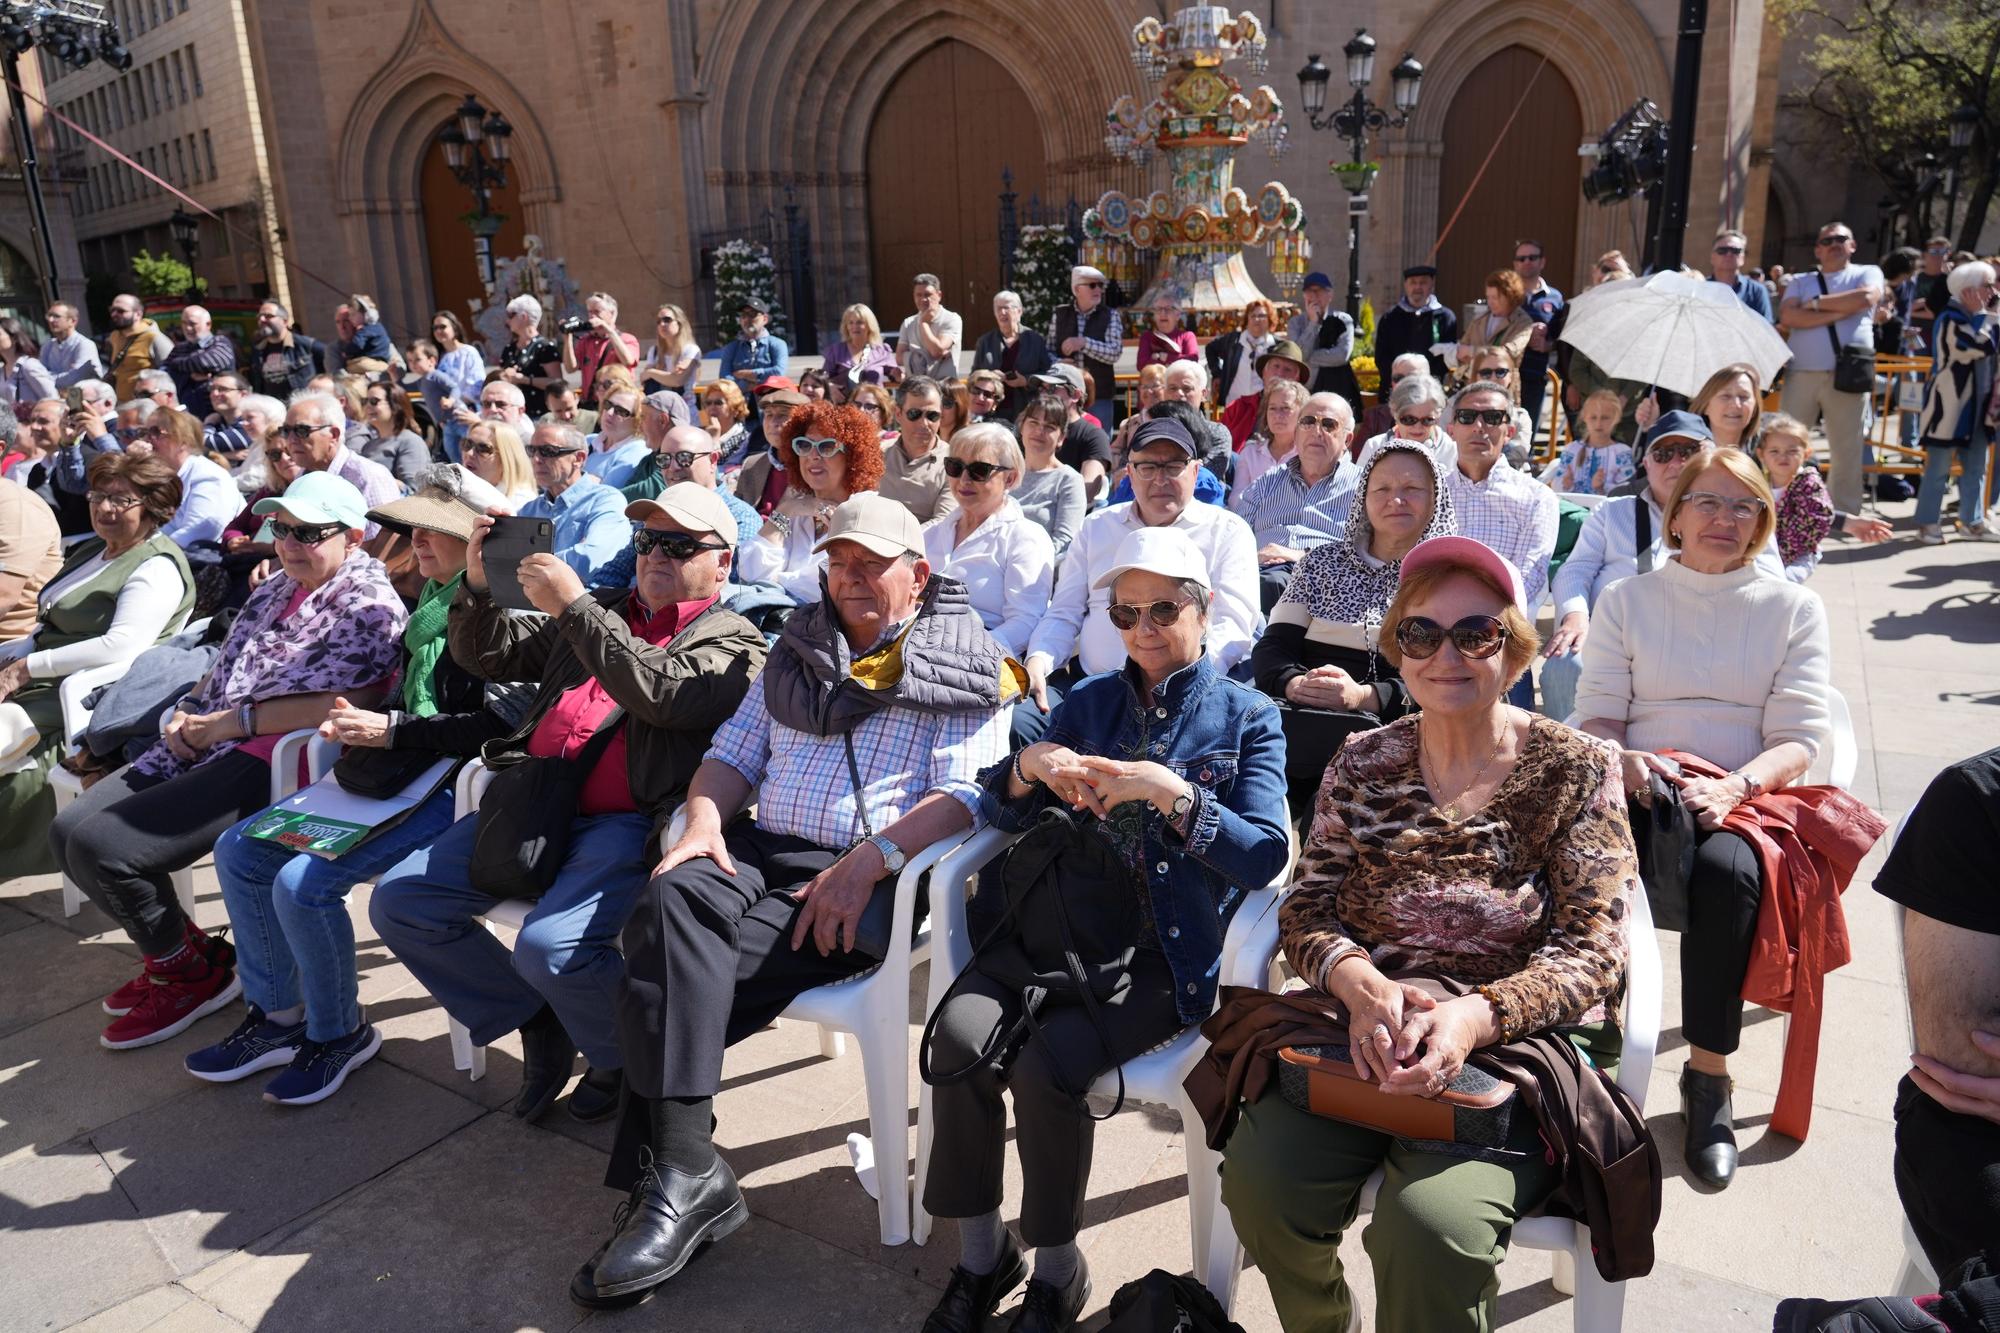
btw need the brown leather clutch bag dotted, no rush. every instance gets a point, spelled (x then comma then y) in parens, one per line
(1471, 1117)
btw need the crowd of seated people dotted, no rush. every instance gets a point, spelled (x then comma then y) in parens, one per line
(828, 621)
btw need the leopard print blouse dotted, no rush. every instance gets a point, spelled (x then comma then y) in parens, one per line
(1525, 898)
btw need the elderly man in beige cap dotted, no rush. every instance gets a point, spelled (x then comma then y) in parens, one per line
(862, 745)
(633, 683)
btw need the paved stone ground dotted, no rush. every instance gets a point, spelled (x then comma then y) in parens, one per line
(133, 1197)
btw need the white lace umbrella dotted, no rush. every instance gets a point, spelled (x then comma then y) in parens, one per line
(1671, 330)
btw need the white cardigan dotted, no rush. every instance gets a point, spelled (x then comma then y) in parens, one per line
(1720, 665)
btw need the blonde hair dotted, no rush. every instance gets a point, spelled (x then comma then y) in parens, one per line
(1740, 466)
(683, 335)
(1605, 396)
(1282, 389)
(1780, 423)
(866, 316)
(516, 475)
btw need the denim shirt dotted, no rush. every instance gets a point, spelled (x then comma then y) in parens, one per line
(1227, 741)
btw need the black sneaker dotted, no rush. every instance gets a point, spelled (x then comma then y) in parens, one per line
(320, 1067)
(257, 1044)
(970, 1297)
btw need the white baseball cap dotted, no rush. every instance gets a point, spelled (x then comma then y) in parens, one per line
(1084, 272)
(1157, 551)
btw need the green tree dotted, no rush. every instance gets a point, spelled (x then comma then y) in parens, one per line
(163, 275)
(1887, 75)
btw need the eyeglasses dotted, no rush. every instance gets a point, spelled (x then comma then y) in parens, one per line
(1414, 421)
(1126, 616)
(825, 448)
(1675, 453)
(979, 472)
(1526, 259)
(117, 501)
(490, 403)
(305, 534)
(1710, 505)
(685, 457)
(613, 410)
(377, 401)
(1728, 250)
(1475, 637)
(1329, 424)
(914, 415)
(672, 545)
(1493, 373)
(127, 434)
(551, 452)
(1152, 470)
(1840, 238)
(984, 392)
(294, 434)
(1481, 416)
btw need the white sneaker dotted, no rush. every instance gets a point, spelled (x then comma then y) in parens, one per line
(1982, 532)
(1930, 534)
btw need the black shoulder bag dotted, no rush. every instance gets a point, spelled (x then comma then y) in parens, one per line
(1853, 366)
(526, 816)
(1642, 533)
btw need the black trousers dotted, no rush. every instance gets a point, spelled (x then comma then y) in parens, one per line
(1948, 1176)
(1312, 736)
(1724, 892)
(1272, 580)
(120, 839)
(1048, 1073)
(708, 961)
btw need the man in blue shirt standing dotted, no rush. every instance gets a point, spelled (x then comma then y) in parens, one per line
(757, 353)
(1725, 266)
(1547, 308)
(590, 524)
(1822, 313)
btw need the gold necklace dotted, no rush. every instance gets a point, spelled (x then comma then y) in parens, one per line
(1449, 809)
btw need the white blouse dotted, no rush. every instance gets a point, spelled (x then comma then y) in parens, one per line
(791, 565)
(1008, 566)
(145, 604)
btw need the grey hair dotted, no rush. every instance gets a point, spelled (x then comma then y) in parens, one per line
(989, 435)
(571, 437)
(144, 407)
(1414, 362)
(200, 310)
(152, 381)
(325, 409)
(10, 425)
(1341, 408)
(96, 391)
(1415, 392)
(512, 391)
(927, 280)
(603, 298)
(1007, 297)
(278, 306)
(1197, 366)
(525, 305)
(265, 406)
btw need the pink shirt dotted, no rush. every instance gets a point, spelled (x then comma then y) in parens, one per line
(262, 747)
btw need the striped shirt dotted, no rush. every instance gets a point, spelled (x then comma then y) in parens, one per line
(1515, 515)
(1282, 509)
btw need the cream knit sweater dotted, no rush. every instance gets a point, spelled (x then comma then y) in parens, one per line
(1724, 666)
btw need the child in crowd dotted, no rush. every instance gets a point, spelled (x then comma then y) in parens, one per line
(1597, 463)
(1805, 511)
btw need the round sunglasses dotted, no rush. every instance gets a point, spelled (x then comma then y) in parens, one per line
(1475, 637)
(1126, 616)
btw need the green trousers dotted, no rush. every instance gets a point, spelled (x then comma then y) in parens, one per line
(1292, 1183)
(27, 806)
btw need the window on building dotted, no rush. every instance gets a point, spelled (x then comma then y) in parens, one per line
(194, 68)
(180, 78)
(184, 6)
(194, 159)
(153, 8)
(208, 151)
(180, 163)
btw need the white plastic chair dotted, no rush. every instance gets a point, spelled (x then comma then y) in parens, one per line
(1840, 757)
(1600, 1305)
(1916, 1277)
(1152, 1079)
(1588, 499)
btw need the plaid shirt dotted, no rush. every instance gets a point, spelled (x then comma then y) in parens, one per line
(1515, 515)
(802, 781)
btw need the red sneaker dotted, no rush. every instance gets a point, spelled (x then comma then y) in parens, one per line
(172, 1002)
(213, 947)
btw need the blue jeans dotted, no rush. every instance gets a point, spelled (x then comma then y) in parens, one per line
(1559, 681)
(294, 939)
(1522, 693)
(567, 955)
(1971, 483)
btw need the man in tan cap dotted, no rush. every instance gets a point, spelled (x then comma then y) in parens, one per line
(677, 664)
(889, 685)
(1090, 333)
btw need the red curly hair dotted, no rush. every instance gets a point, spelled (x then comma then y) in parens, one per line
(849, 425)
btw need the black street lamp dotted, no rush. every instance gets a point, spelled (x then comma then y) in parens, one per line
(477, 146)
(186, 229)
(1354, 120)
(1962, 124)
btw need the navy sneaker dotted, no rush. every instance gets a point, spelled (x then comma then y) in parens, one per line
(320, 1067)
(257, 1043)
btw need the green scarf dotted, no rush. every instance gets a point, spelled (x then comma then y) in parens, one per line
(424, 641)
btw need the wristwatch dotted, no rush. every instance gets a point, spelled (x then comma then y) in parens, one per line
(892, 855)
(1182, 804)
(1751, 787)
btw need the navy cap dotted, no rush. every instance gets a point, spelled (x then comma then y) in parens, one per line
(1317, 279)
(1156, 429)
(1421, 271)
(1676, 425)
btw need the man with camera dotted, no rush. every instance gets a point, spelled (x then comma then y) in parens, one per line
(678, 665)
(592, 341)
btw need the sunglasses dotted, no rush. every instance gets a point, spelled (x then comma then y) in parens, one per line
(876, 408)
(1090, 284)
(295, 434)
(992, 394)
(1475, 637)
(826, 448)
(1833, 240)
(305, 534)
(1675, 453)
(685, 457)
(1482, 416)
(550, 452)
(1710, 505)
(672, 545)
(613, 410)
(117, 502)
(1729, 249)
(276, 456)
(1938, 250)
(1126, 616)
(1328, 424)
(130, 433)
(979, 472)
(666, 319)
(1413, 422)
(487, 450)
(932, 415)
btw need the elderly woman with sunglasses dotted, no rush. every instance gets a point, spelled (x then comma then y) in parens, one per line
(1183, 770)
(326, 626)
(1004, 558)
(828, 453)
(1483, 844)
(1707, 655)
(1418, 408)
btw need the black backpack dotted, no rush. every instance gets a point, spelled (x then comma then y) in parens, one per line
(1162, 1302)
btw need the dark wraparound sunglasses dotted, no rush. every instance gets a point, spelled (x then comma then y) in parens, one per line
(1475, 637)
(305, 534)
(685, 457)
(1482, 416)
(551, 452)
(980, 472)
(919, 414)
(1126, 616)
(672, 545)
(1675, 453)
(1414, 422)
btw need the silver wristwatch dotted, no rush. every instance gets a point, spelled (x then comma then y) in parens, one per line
(892, 855)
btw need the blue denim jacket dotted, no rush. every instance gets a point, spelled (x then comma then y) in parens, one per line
(1227, 741)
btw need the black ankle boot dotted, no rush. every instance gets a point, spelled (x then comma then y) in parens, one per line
(669, 1216)
(548, 1058)
(1711, 1137)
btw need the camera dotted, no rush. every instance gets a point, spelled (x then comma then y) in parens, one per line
(575, 325)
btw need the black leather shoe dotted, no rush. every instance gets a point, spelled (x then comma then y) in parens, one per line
(1711, 1137)
(596, 1094)
(970, 1297)
(669, 1216)
(1049, 1309)
(548, 1058)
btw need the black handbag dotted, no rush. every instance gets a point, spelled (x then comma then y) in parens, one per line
(1853, 366)
(379, 774)
(1063, 931)
(526, 816)
(1669, 861)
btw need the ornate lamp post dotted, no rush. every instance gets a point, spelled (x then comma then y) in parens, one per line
(1963, 123)
(1354, 120)
(186, 228)
(477, 146)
